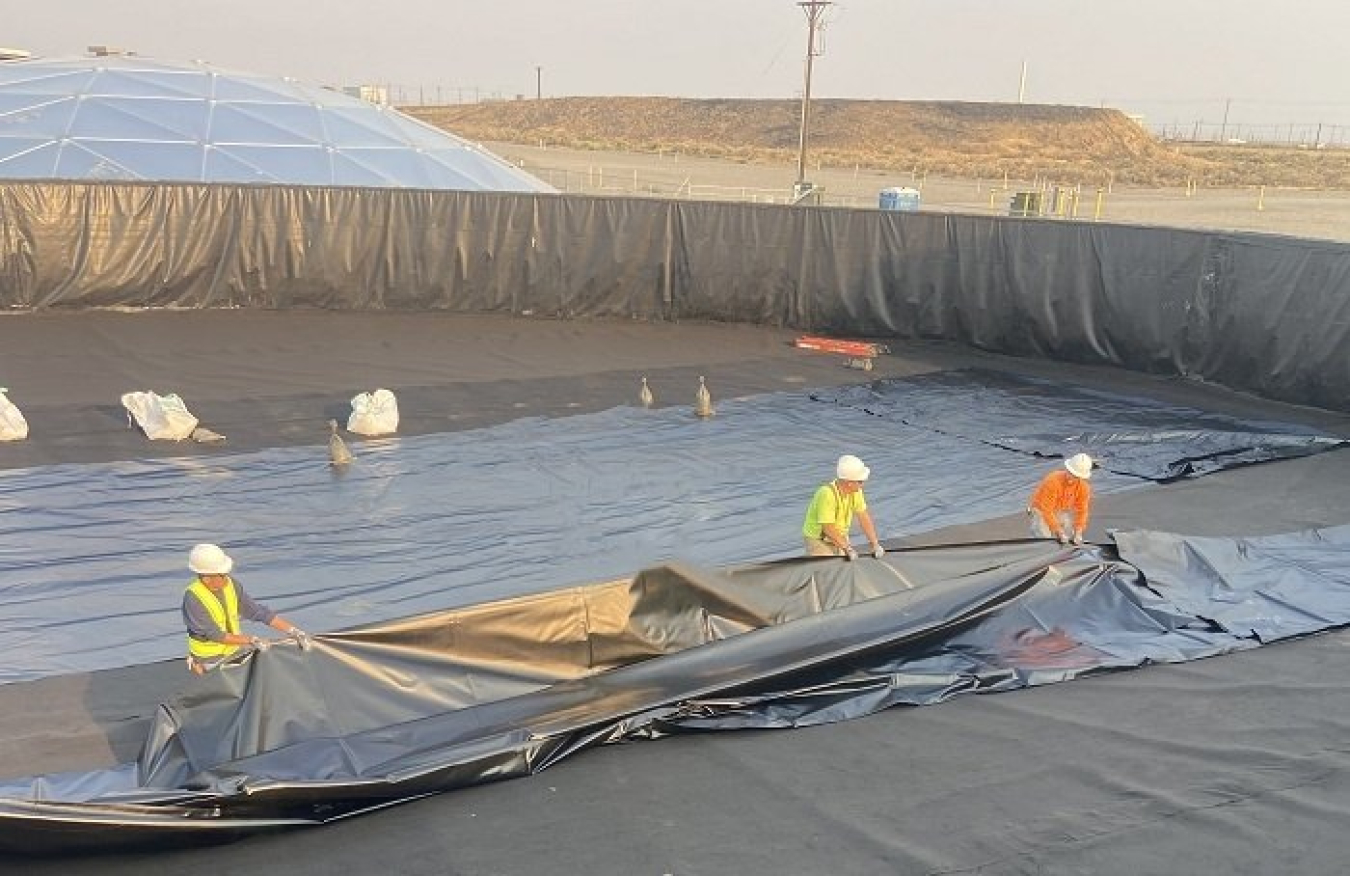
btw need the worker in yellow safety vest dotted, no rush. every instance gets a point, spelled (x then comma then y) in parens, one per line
(829, 517)
(213, 605)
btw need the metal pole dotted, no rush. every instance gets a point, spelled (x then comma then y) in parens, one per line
(538, 83)
(814, 9)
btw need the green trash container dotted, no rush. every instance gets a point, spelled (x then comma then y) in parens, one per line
(1025, 204)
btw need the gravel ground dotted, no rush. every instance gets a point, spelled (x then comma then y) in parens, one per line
(1297, 212)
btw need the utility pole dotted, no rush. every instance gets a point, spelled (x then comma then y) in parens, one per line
(815, 10)
(538, 83)
(1022, 85)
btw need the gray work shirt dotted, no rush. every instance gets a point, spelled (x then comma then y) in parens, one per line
(200, 625)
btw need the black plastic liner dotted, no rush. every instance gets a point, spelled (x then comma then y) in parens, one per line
(395, 711)
(392, 536)
(1254, 312)
(381, 541)
(1133, 436)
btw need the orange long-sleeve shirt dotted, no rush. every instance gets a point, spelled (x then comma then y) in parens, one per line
(1061, 491)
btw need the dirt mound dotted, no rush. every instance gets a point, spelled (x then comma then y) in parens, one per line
(975, 140)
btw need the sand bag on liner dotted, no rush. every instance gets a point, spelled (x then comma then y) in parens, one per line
(161, 417)
(374, 413)
(13, 427)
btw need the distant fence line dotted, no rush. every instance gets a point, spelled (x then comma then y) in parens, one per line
(1050, 199)
(599, 180)
(1316, 135)
(1042, 196)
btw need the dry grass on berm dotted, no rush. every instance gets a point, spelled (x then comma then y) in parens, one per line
(973, 140)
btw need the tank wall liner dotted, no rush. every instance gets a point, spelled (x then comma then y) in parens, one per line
(1260, 313)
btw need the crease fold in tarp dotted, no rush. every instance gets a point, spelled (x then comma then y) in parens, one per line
(1129, 435)
(394, 711)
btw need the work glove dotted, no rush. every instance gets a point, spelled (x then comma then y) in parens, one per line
(259, 644)
(1063, 538)
(301, 638)
(1077, 538)
(878, 552)
(850, 554)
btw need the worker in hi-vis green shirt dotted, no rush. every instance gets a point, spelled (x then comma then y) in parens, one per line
(830, 514)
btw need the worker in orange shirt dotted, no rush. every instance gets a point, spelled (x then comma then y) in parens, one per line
(1060, 506)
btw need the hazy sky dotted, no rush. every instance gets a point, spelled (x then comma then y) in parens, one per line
(1275, 62)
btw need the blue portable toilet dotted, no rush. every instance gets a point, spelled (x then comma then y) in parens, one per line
(901, 198)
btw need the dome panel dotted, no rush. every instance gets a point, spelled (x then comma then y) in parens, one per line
(36, 116)
(58, 82)
(221, 166)
(449, 176)
(398, 164)
(278, 124)
(354, 173)
(299, 165)
(178, 118)
(243, 89)
(160, 83)
(26, 158)
(148, 160)
(78, 162)
(486, 176)
(419, 133)
(353, 128)
(131, 117)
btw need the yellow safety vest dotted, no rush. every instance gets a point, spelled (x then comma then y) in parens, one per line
(845, 505)
(225, 614)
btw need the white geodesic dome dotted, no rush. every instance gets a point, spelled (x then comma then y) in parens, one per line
(132, 118)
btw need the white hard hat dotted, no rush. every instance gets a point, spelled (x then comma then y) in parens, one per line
(851, 468)
(209, 559)
(1079, 465)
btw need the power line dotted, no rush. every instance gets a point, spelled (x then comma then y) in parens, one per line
(815, 10)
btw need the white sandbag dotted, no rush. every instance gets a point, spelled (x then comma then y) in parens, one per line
(13, 427)
(374, 413)
(161, 417)
(203, 435)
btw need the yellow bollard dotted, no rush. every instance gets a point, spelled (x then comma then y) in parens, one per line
(1101, 196)
(1261, 200)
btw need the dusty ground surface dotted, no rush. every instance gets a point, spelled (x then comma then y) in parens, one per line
(275, 378)
(1289, 211)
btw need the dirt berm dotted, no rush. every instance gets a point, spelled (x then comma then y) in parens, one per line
(973, 140)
